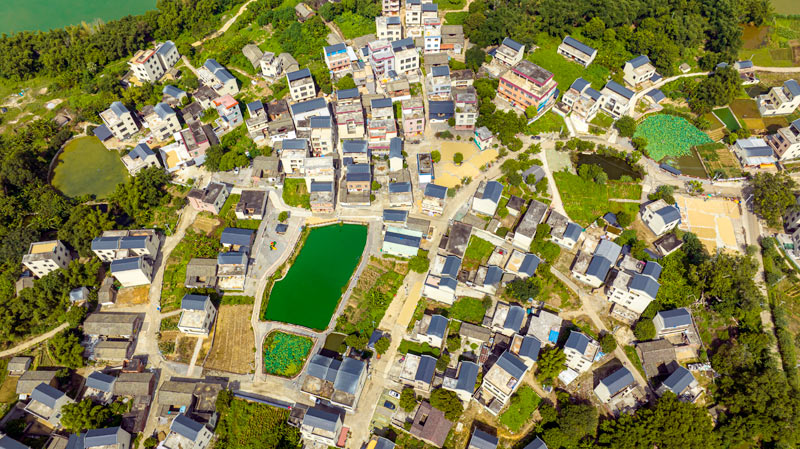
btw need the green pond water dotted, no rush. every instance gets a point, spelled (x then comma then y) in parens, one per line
(311, 290)
(32, 15)
(87, 167)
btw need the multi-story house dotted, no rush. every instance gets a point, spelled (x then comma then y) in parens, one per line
(509, 53)
(615, 385)
(381, 59)
(258, 122)
(592, 267)
(293, 155)
(563, 232)
(577, 51)
(186, 433)
(501, 381)
(424, 168)
(119, 121)
(271, 65)
(46, 257)
(617, 99)
(661, 217)
(452, 39)
(434, 199)
(582, 100)
(162, 121)
(526, 228)
(580, 351)
(281, 129)
(303, 111)
(638, 70)
(358, 178)
(527, 84)
(355, 152)
(349, 115)
(322, 136)
(466, 102)
(462, 78)
(413, 117)
(151, 65)
(786, 142)
(413, 18)
(339, 382)
(780, 100)
(381, 109)
(319, 169)
(140, 157)
(218, 78)
(388, 28)
(390, 7)
(380, 133)
(132, 271)
(301, 85)
(441, 111)
(196, 139)
(229, 111)
(337, 60)
(112, 245)
(406, 58)
(197, 315)
(396, 154)
(672, 322)
(753, 152)
(431, 28)
(438, 83)
(464, 380)
(322, 197)
(319, 426)
(634, 285)
(211, 198)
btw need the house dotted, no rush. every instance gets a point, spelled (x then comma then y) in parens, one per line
(754, 152)
(26, 281)
(487, 197)
(680, 382)
(112, 245)
(358, 178)
(400, 194)
(6, 442)
(425, 169)
(401, 242)
(162, 121)
(395, 217)
(482, 440)
(191, 144)
(252, 205)
(463, 381)
(522, 264)
(780, 100)
(78, 296)
(441, 111)
(132, 271)
(563, 232)
(618, 383)
(281, 129)
(537, 443)
(580, 351)
(301, 85)
(406, 57)
(396, 154)
(337, 59)
(197, 315)
(575, 50)
(634, 289)
(526, 347)
(112, 350)
(434, 199)
(320, 426)
(545, 326)
(119, 121)
(139, 158)
(209, 199)
(671, 322)
(413, 121)
(253, 54)
(437, 83)
(466, 104)
(218, 78)
(617, 99)
(229, 112)
(452, 39)
(508, 319)
(265, 170)
(107, 438)
(582, 100)
(322, 197)
(381, 59)
(18, 366)
(474, 333)
(413, 15)
(381, 109)
(304, 110)
(526, 229)
(319, 169)
(487, 279)
(271, 65)
(483, 138)
(431, 329)
(32, 379)
(349, 115)
(592, 268)
(112, 324)
(258, 123)
(657, 357)
(99, 387)
(458, 238)
(430, 424)
(339, 382)
(45, 257)
(389, 28)
(462, 78)
(293, 156)
(661, 217)
(232, 270)
(204, 95)
(667, 244)
(322, 136)
(436, 59)
(380, 132)
(194, 396)
(303, 12)
(638, 70)
(526, 84)
(46, 404)
(501, 381)
(150, 65)
(441, 282)
(510, 52)
(186, 433)
(786, 142)
(431, 28)
(418, 371)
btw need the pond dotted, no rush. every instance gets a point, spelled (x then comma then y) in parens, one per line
(86, 167)
(688, 164)
(33, 15)
(614, 167)
(311, 290)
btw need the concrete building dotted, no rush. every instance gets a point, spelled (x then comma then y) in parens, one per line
(349, 115)
(355, 152)
(545, 326)
(252, 205)
(754, 152)
(321, 427)
(638, 70)
(218, 78)
(186, 433)
(271, 65)
(452, 39)
(45, 257)
(580, 351)
(400, 194)
(437, 83)
(616, 384)
(112, 245)
(388, 28)
(322, 136)
(507, 319)
(201, 273)
(487, 197)
(563, 232)
(46, 404)
(301, 85)
(381, 59)
(119, 121)
(418, 371)
(132, 271)
(396, 161)
(209, 199)
(434, 199)
(483, 138)
(526, 84)
(302, 112)
(780, 100)
(401, 242)
(465, 100)
(229, 111)
(634, 288)
(139, 158)
(431, 329)
(441, 111)
(232, 270)
(337, 59)
(526, 229)
(526, 347)
(197, 315)
(463, 380)
(390, 7)
(510, 52)
(193, 143)
(660, 217)
(413, 117)
(338, 381)
(162, 121)
(577, 51)
(406, 57)
(358, 178)
(322, 197)
(413, 17)
(591, 266)
(672, 322)
(258, 122)
(501, 381)
(616, 99)
(431, 28)
(786, 142)
(150, 65)
(582, 100)
(117, 325)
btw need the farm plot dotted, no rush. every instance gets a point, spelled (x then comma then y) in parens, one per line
(668, 135)
(726, 116)
(285, 354)
(382, 276)
(233, 343)
(718, 159)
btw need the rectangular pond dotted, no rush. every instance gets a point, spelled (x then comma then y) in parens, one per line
(311, 290)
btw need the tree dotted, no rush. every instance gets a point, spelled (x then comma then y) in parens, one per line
(447, 401)
(522, 289)
(67, 350)
(458, 158)
(644, 330)
(408, 400)
(442, 362)
(436, 156)
(382, 345)
(551, 362)
(515, 179)
(283, 216)
(607, 343)
(772, 195)
(86, 415)
(346, 83)
(624, 219)
(84, 224)
(474, 58)
(419, 263)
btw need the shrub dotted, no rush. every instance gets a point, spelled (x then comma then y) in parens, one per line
(283, 216)
(626, 126)
(608, 344)
(644, 330)
(448, 402)
(458, 158)
(408, 400)
(436, 156)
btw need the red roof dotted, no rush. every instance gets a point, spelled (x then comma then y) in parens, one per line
(343, 437)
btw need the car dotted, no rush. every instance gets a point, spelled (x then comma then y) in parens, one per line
(389, 405)
(394, 394)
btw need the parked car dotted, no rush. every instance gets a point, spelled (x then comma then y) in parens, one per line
(394, 394)
(389, 405)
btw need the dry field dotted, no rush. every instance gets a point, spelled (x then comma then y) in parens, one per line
(233, 343)
(205, 224)
(132, 296)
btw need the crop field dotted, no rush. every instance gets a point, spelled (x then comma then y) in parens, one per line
(233, 344)
(717, 157)
(285, 354)
(477, 253)
(668, 135)
(584, 200)
(773, 124)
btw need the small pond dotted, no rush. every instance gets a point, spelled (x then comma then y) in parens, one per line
(86, 167)
(614, 167)
(689, 164)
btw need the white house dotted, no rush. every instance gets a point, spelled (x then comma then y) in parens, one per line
(634, 290)
(660, 217)
(680, 382)
(46, 257)
(197, 315)
(577, 51)
(617, 99)
(150, 65)
(753, 152)
(140, 157)
(671, 322)
(780, 100)
(434, 199)
(431, 329)
(463, 381)
(406, 57)
(218, 78)
(582, 100)
(107, 438)
(638, 70)
(510, 52)
(501, 381)
(162, 121)
(563, 232)
(46, 404)
(616, 384)
(186, 433)
(487, 197)
(321, 427)
(132, 271)
(580, 351)
(119, 121)
(592, 268)
(441, 282)
(401, 242)
(388, 28)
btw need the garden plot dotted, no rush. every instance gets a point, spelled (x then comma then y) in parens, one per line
(132, 296)
(668, 135)
(725, 115)
(233, 343)
(716, 221)
(718, 158)
(747, 112)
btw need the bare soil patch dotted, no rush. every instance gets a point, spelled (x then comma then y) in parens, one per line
(234, 341)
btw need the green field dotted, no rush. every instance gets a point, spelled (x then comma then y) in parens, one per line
(86, 167)
(550, 122)
(787, 7)
(295, 193)
(354, 25)
(564, 71)
(477, 253)
(250, 425)
(524, 402)
(455, 18)
(726, 116)
(285, 354)
(669, 135)
(585, 200)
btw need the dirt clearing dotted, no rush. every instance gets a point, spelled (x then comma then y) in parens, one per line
(233, 343)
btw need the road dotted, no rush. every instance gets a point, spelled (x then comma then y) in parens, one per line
(33, 341)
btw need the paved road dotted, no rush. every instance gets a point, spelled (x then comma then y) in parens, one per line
(33, 341)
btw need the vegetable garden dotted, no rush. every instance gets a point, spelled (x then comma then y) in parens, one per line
(669, 135)
(285, 354)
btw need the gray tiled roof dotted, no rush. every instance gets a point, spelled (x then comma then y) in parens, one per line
(194, 302)
(529, 264)
(435, 191)
(425, 369)
(679, 380)
(645, 284)
(530, 347)
(580, 84)
(101, 437)
(101, 381)
(321, 419)
(675, 317)
(186, 427)
(396, 147)
(618, 380)
(515, 318)
(348, 375)
(614, 86)
(399, 187)
(670, 213)
(482, 440)
(46, 394)
(512, 365)
(467, 376)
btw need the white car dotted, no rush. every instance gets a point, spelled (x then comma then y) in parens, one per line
(394, 394)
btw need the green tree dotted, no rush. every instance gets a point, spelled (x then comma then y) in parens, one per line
(644, 330)
(408, 400)
(772, 195)
(283, 216)
(607, 343)
(382, 345)
(458, 158)
(522, 289)
(346, 83)
(442, 362)
(436, 156)
(67, 350)
(626, 126)
(447, 401)
(551, 362)
(84, 224)
(419, 263)
(624, 219)
(474, 58)
(86, 415)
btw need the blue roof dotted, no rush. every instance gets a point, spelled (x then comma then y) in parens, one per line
(514, 318)
(492, 191)
(512, 44)
(448, 282)
(298, 74)
(46, 394)
(572, 232)
(605, 256)
(212, 65)
(493, 275)
(593, 93)
(236, 236)
(530, 347)
(395, 215)
(133, 242)
(438, 326)
(185, 426)
(435, 191)
(441, 70)
(309, 105)
(254, 106)
(537, 443)
(6, 442)
(611, 219)
(119, 108)
(102, 133)
(317, 186)
(163, 110)
(357, 176)
(381, 103)
(746, 64)
(100, 381)
(580, 46)
(669, 214)
(348, 375)
(399, 187)
(512, 365)
(441, 107)
(656, 95)
(639, 61)
(482, 440)
(618, 380)
(529, 264)
(645, 284)
(127, 264)
(281, 228)
(232, 258)
(467, 376)
(451, 266)
(173, 91)
(321, 419)
(165, 48)
(295, 144)
(428, 7)
(320, 122)
(347, 93)
(100, 243)
(396, 147)
(402, 239)
(194, 302)
(354, 146)
(792, 87)
(580, 84)
(652, 269)
(140, 151)
(335, 48)
(577, 341)
(425, 369)
(675, 317)
(619, 89)
(323, 367)
(669, 168)
(679, 380)
(401, 43)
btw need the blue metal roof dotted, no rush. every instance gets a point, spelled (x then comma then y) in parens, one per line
(435, 191)
(102, 133)
(537, 443)
(451, 266)
(377, 103)
(429, 7)
(46, 395)
(639, 61)
(448, 282)
(652, 269)
(402, 239)
(127, 264)
(669, 168)
(347, 93)
(236, 236)
(323, 367)
(6, 442)
(441, 107)
(298, 74)
(118, 108)
(402, 43)
(656, 95)
(594, 94)
(354, 146)
(611, 218)
(679, 380)
(645, 284)
(577, 341)
(493, 191)
(321, 419)
(194, 302)
(133, 242)
(514, 318)
(529, 264)
(320, 122)
(173, 91)
(186, 427)
(232, 258)
(295, 144)
(141, 151)
(793, 87)
(348, 375)
(309, 105)
(580, 84)
(494, 275)
(399, 187)
(396, 147)
(321, 186)
(438, 326)
(614, 86)
(425, 369)
(163, 110)
(335, 48)
(605, 256)
(530, 347)
(100, 381)
(395, 215)
(675, 317)
(617, 381)
(746, 64)
(512, 365)
(670, 213)
(512, 44)
(105, 243)
(482, 440)
(580, 46)
(255, 106)
(572, 232)
(212, 65)
(357, 176)
(467, 376)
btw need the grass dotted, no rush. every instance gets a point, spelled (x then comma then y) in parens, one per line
(235, 300)
(455, 18)
(602, 120)
(477, 253)
(745, 108)
(669, 135)
(250, 425)
(285, 354)
(564, 71)
(407, 346)
(547, 123)
(295, 193)
(470, 310)
(354, 25)
(86, 167)
(381, 277)
(524, 402)
(630, 351)
(726, 116)
(445, 5)
(585, 200)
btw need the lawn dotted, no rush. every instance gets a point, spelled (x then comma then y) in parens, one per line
(455, 18)
(602, 120)
(477, 253)
(445, 5)
(353, 25)
(86, 167)
(585, 200)
(669, 135)
(285, 354)
(295, 193)
(548, 123)
(471, 310)
(725, 115)
(250, 425)
(519, 412)
(565, 72)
